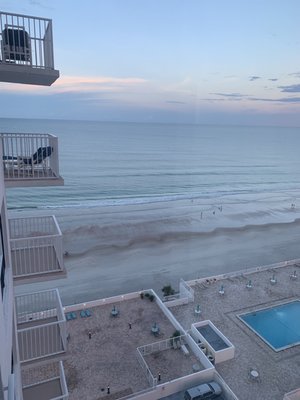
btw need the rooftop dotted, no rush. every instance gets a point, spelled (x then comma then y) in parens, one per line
(108, 349)
(109, 357)
(278, 371)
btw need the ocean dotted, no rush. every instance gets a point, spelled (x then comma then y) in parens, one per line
(106, 163)
(144, 205)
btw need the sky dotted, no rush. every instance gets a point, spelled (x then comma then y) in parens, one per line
(177, 61)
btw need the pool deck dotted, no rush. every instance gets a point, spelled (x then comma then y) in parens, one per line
(108, 358)
(278, 371)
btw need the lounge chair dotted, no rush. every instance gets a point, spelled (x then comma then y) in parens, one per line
(74, 315)
(37, 158)
(82, 314)
(69, 316)
(88, 313)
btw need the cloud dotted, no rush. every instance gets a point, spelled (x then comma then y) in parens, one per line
(289, 100)
(36, 3)
(273, 79)
(212, 99)
(175, 102)
(95, 84)
(296, 74)
(281, 100)
(254, 78)
(230, 95)
(290, 88)
(78, 84)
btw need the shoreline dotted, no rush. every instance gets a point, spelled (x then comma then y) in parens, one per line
(120, 249)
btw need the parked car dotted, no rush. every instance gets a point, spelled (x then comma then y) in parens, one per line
(210, 390)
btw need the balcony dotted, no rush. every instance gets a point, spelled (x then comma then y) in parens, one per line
(26, 53)
(46, 381)
(41, 325)
(36, 249)
(30, 159)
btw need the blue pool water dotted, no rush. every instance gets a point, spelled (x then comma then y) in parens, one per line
(278, 326)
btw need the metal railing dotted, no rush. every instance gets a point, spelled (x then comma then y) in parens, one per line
(41, 325)
(36, 246)
(29, 156)
(40, 341)
(20, 228)
(63, 383)
(186, 290)
(152, 381)
(155, 347)
(26, 40)
(53, 372)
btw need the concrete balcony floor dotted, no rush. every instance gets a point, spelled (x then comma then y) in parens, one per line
(50, 390)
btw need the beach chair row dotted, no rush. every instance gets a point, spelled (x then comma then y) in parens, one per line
(73, 315)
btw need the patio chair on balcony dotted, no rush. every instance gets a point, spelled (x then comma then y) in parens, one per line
(15, 44)
(37, 158)
(28, 165)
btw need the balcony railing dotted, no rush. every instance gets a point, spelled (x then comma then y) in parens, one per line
(41, 325)
(30, 159)
(51, 383)
(26, 52)
(36, 248)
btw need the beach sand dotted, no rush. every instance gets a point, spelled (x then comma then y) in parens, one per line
(120, 249)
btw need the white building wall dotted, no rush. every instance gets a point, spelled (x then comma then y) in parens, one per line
(7, 330)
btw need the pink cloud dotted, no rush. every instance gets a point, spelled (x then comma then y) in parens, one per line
(68, 84)
(95, 84)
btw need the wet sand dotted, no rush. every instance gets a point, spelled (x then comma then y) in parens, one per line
(119, 249)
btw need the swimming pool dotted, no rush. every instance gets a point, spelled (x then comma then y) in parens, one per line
(278, 326)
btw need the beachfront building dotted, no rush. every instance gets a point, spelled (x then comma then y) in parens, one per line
(134, 345)
(32, 326)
